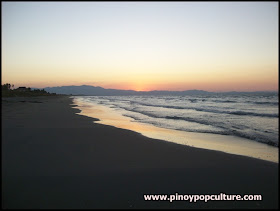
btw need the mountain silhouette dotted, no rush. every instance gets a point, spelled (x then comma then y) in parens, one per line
(100, 91)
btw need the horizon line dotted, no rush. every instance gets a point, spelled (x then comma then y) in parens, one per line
(220, 91)
(164, 90)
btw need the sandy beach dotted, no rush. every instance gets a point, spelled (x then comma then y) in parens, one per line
(54, 158)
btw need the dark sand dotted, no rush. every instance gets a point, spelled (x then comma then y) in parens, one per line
(53, 158)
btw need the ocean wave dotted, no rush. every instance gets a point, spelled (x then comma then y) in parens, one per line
(157, 122)
(213, 110)
(252, 114)
(224, 101)
(188, 119)
(264, 103)
(193, 100)
(217, 119)
(225, 130)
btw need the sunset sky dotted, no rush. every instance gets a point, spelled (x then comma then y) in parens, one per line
(228, 46)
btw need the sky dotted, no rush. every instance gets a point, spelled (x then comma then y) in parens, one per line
(143, 46)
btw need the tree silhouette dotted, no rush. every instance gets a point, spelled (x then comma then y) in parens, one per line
(7, 87)
(7, 91)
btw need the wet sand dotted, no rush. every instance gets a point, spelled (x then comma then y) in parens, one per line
(54, 158)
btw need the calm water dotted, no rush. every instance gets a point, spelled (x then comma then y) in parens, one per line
(253, 117)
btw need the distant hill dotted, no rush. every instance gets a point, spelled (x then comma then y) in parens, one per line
(99, 91)
(88, 90)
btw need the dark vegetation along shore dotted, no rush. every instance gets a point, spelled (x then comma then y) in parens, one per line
(8, 91)
(54, 158)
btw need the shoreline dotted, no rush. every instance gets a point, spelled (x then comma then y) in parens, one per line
(54, 158)
(217, 142)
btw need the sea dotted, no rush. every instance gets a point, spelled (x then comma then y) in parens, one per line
(252, 117)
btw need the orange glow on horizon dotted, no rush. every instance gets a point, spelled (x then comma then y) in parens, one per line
(180, 86)
(258, 81)
(211, 87)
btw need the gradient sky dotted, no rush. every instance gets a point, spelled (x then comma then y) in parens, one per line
(216, 46)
